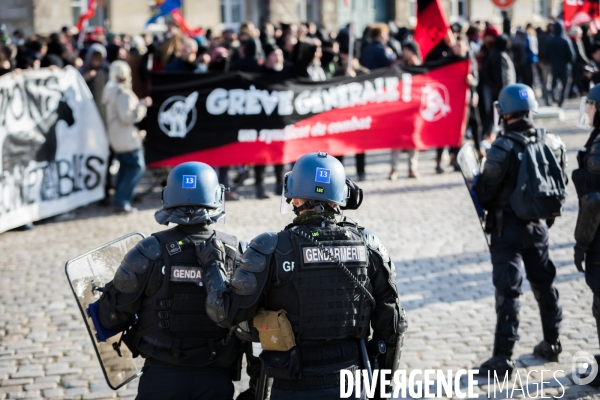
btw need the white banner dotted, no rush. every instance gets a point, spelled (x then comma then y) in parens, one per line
(54, 146)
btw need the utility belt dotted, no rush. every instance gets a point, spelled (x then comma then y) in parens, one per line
(312, 382)
(235, 370)
(497, 219)
(211, 355)
(290, 366)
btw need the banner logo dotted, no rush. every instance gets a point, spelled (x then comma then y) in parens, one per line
(177, 115)
(435, 102)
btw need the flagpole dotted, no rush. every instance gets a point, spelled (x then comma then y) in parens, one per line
(81, 37)
(350, 40)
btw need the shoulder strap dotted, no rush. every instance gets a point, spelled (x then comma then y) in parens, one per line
(227, 238)
(516, 137)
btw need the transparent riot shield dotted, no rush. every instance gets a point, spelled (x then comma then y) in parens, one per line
(469, 166)
(88, 272)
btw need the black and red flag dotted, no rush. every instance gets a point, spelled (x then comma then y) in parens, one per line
(238, 118)
(432, 25)
(577, 12)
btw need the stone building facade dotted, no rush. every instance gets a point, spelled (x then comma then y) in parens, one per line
(130, 16)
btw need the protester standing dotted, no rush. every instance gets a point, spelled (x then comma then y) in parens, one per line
(560, 54)
(355, 69)
(411, 56)
(123, 111)
(377, 54)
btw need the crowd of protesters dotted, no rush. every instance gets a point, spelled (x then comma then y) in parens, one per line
(116, 69)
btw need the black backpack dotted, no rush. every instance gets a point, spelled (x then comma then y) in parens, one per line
(540, 191)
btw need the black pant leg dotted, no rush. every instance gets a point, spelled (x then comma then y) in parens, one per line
(563, 76)
(360, 163)
(507, 278)
(528, 75)
(438, 154)
(475, 125)
(592, 265)
(541, 273)
(279, 173)
(108, 183)
(259, 174)
(592, 276)
(224, 176)
(324, 394)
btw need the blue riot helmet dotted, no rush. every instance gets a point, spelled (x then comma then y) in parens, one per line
(192, 195)
(318, 177)
(514, 99)
(588, 108)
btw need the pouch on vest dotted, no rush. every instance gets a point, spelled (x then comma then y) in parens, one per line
(274, 330)
(282, 364)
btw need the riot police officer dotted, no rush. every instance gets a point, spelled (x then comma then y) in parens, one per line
(516, 241)
(187, 355)
(314, 289)
(587, 183)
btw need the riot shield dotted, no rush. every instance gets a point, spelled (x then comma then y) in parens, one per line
(88, 272)
(469, 166)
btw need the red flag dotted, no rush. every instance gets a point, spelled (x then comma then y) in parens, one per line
(432, 25)
(88, 15)
(577, 12)
(184, 27)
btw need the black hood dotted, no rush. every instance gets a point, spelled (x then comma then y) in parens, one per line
(501, 42)
(250, 49)
(558, 29)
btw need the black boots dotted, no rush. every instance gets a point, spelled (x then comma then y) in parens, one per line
(500, 365)
(548, 351)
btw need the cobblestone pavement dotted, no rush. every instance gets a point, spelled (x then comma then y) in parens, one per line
(428, 226)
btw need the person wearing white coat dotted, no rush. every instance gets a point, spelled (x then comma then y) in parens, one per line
(123, 110)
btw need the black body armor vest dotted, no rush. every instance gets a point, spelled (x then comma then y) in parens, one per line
(321, 301)
(174, 318)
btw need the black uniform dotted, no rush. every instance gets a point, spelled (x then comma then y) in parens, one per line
(587, 180)
(514, 240)
(327, 311)
(187, 355)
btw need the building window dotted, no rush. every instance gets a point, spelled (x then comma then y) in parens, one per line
(541, 8)
(413, 8)
(312, 10)
(459, 10)
(232, 13)
(307, 10)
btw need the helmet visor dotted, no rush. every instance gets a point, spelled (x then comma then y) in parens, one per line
(285, 207)
(587, 109)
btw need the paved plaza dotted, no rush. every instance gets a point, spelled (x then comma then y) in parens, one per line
(428, 226)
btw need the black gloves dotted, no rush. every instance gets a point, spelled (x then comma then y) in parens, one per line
(579, 256)
(210, 251)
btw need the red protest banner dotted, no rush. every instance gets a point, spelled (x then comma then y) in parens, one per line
(223, 124)
(577, 12)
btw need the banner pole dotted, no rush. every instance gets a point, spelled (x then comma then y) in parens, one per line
(81, 37)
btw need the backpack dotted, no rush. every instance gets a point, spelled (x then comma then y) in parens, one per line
(540, 191)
